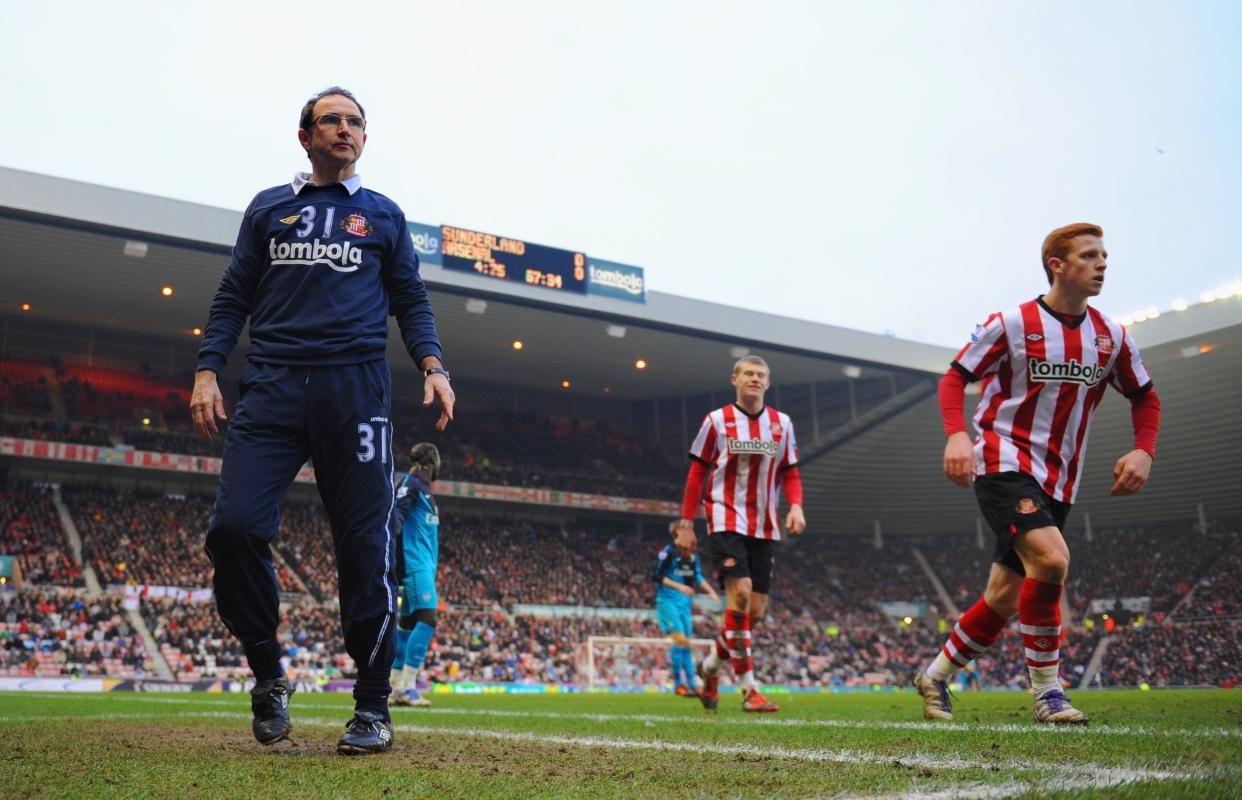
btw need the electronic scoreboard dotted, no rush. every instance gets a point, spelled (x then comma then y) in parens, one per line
(513, 260)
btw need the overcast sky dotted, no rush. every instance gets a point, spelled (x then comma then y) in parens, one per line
(883, 166)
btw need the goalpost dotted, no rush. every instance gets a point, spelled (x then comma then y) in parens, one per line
(631, 660)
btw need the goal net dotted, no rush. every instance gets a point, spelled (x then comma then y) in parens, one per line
(631, 662)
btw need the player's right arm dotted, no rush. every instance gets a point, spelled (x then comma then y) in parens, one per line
(690, 500)
(959, 451)
(988, 348)
(702, 453)
(229, 309)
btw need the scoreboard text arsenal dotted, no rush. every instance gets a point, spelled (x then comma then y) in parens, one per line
(513, 260)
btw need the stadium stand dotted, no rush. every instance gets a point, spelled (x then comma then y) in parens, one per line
(197, 646)
(1218, 593)
(107, 406)
(826, 626)
(1198, 654)
(23, 388)
(53, 431)
(30, 531)
(1137, 562)
(129, 537)
(137, 538)
(48, 633)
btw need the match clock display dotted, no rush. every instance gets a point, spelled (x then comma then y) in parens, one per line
(513, 260)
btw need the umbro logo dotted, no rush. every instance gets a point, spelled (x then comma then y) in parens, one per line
(384, 735)
(292, 219)
(1043, 644)
(1034, 337)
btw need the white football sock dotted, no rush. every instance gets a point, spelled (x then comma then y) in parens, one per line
(1044, 678)
(941, 669)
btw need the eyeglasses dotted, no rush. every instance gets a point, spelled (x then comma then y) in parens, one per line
(333, 121)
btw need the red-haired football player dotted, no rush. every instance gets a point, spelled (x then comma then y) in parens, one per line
(1044, 367)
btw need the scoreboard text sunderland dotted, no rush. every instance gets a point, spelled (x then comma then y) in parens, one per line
(513, 260)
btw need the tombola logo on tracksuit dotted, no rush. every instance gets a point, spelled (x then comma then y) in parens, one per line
(340, 256)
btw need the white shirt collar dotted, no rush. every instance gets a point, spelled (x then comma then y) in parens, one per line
(301, 179)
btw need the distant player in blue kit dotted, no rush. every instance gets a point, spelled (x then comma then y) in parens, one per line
(319, 265)
(678, 572)
(418, 554)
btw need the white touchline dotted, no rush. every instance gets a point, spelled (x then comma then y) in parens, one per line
(1098, 774)
(1061, 730)
(1082, 731)
(996, 791)
(819, 755)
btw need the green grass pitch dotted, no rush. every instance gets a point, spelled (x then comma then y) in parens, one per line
(1150, 744)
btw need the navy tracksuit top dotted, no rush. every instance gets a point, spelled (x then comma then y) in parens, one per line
(318, 269)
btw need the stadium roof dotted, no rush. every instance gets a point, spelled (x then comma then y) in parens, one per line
(73, 267)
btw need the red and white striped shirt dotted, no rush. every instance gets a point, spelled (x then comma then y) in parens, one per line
(1043, 378)
(745, 456)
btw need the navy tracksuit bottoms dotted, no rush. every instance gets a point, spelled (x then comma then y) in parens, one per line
(338, 416)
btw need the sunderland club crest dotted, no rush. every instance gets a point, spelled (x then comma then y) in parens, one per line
(356, 224)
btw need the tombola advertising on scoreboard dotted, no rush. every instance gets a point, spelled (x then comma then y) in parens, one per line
(426, 243)
(611, 279)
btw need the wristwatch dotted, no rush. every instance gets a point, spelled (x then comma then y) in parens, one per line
(427, 373)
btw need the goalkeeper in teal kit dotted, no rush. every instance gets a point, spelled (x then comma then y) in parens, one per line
(418, 552)
(678, 573)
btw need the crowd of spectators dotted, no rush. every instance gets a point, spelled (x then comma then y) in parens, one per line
(52, 431)
(1218, 594)
(50, 633)
(825, 627)
(142, 538)
(197, 645)
(1157, 562)
(182, 442)
(960, 564)
(120, 397)
(523, 561)
(31, 532)
(305, 544)
(152, 539)
(1198, 654)
(525, 449)
(498, 447)
(24, 391)
(493, 646)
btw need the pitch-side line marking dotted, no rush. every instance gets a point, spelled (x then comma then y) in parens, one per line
(817, 755)
(991, 791)
(1064, 730)
(1094, 775)
(937, 727)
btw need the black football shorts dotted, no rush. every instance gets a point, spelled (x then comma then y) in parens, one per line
(738, 556)
(1014, 503)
